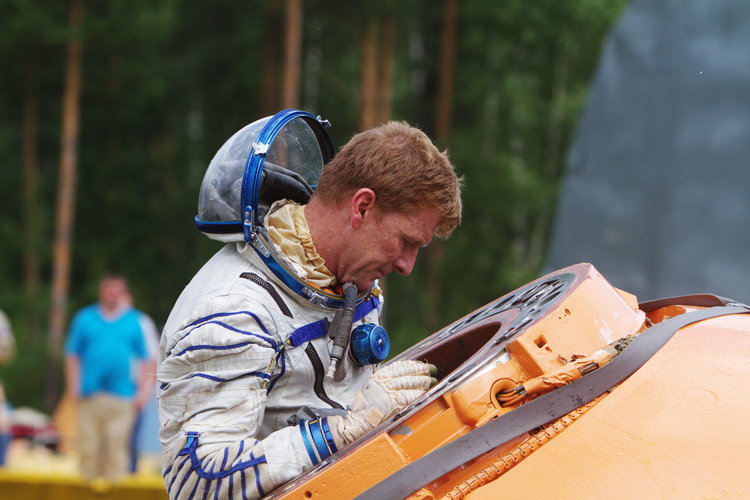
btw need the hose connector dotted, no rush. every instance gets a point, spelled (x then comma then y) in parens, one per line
(341, 336)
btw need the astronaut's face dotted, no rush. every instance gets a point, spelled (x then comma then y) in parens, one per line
(386, 242)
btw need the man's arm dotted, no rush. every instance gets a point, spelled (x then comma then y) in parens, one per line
(146, 378)
(213, 381)
(72, 377)
(72, 351)
(146, 382)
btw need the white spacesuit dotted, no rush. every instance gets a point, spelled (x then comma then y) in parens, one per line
(245, 404)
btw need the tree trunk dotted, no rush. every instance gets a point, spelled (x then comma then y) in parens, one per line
(66, 192)
(445, 79)
(292, 46)
(369, 83)
(29, 209)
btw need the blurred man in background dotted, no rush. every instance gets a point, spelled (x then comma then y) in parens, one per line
(104, 342)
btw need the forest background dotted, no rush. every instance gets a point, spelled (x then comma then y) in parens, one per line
(112, 110)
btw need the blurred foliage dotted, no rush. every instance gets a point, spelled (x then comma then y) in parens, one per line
(165, 82)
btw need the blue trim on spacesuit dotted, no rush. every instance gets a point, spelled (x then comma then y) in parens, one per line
(231, 478)
(195, 488)
(317, 329)
(218, 481)
(366, 308)
(320, 441)
(257, 479)
(232, 313)
(311, 331)
(308, 444)
(189, 450)
(208, 486)
(212, 347)
(328, 435)
(177, 472)
(269, 340)
(283, 370)
(262, 375)
(242, 482)
(182, 483)
(209, 377)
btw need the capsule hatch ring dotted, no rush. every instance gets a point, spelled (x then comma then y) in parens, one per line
(481, 335)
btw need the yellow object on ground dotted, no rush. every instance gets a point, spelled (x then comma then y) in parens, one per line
(34, 472)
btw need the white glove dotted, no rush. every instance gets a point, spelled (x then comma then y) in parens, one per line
(391, 387)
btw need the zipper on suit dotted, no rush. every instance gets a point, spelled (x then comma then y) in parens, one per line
(319, 370)
(268, 287)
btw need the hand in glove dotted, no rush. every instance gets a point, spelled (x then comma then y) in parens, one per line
(391, 387)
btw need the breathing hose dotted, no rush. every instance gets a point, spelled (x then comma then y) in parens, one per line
(341, 336)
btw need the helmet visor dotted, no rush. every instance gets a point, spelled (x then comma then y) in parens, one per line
(277, 157)
(219, 198)
(296, 148)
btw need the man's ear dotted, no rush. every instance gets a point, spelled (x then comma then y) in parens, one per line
(361, 205)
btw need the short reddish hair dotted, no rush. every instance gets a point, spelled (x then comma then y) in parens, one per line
(404, 169)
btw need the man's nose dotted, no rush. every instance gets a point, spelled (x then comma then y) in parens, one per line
(405, 263)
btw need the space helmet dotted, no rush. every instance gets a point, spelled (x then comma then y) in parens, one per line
(276, 157)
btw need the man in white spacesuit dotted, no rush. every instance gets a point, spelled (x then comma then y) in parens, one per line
(255, 383)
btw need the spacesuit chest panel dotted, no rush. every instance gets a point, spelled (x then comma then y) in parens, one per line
(298, 377)
(304, 384)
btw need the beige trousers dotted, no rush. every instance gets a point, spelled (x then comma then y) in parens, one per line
(105, 424)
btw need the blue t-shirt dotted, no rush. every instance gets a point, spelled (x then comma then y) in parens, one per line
(106, 350)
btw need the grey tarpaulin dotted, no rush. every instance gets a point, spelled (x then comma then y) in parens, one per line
(657, 191)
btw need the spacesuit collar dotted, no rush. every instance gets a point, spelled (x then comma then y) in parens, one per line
(289, 233)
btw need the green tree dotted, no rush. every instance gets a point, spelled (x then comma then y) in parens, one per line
(166, 82)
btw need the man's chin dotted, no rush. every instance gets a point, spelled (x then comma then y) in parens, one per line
(364, 285)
